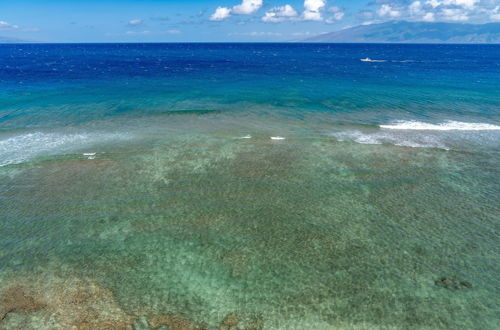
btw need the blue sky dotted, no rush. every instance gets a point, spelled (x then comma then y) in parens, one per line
(219, 20)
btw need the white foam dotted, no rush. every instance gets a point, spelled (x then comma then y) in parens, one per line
(246, 137)
(90, 155)
(20, 148)
(277, 138)
(403, 140)
(446, 126)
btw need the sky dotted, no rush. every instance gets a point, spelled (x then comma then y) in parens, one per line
(219, 20)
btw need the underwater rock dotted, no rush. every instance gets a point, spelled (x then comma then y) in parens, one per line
(16, 299)
(255, 323)
(452, 284)
(230, 323)
(174, 322)
(68, 303)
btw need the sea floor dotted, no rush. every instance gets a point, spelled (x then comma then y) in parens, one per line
(209, 230)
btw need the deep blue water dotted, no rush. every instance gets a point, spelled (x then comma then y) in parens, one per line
(424, 81)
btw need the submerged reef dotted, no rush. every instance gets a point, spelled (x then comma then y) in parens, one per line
(82, 304)
(60, 304)
(452, 284)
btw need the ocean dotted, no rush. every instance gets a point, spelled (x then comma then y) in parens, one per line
(249, 186)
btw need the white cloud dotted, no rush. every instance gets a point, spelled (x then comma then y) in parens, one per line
(416, 8)
(476, 11)
(428, 17)
(455, 14)
(313, 10)
(433, 3)
(495, 14)
(387, 11)
(135, 22)
(337, 14)
(247, 7)
(469, 4)
(221, 13)
(7, 26)
(280, 14)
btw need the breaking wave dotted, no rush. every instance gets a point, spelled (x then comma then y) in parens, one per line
(20, 148)
(446, 126)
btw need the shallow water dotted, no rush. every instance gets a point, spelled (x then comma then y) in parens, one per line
(129, 197)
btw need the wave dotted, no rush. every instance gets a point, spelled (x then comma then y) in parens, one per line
(446, 126)
(389, 138)
(21, 148)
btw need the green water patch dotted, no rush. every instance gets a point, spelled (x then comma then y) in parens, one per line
(210, 231)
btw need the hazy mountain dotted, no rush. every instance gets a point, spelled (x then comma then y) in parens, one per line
(7, 40)
(415, 32)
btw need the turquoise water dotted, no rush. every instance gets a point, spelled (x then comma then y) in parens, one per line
(140, 186)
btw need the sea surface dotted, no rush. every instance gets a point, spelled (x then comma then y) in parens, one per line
(249, 186)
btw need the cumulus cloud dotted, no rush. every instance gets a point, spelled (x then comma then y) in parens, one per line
(312, 10)
(416, 8)
(495, 14)
(337, 14)
(280, 14)
(388, 11)
(454, 14)
(469, 4)
(247, 7)
(221, 13)
(428, 17)
(478, 11)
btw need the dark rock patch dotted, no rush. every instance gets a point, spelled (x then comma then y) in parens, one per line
(15, 299)
(452, 284)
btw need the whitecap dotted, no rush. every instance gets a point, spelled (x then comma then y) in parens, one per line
(445, 126)
(21, 148)
(394, 138)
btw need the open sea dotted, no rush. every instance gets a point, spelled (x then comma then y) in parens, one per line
(249, 186)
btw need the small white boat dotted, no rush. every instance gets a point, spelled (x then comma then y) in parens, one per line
(277, 138)
(370, 60)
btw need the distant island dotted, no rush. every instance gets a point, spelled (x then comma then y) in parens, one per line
(6, 40)
(414, 32)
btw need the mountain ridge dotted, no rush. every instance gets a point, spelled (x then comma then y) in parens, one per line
(414, 32)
